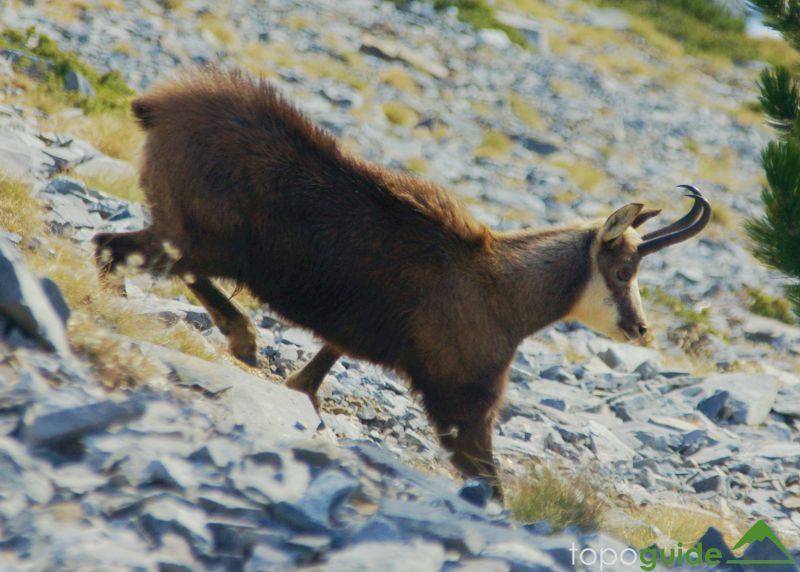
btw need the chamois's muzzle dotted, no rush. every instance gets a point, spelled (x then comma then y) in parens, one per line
(688, 226)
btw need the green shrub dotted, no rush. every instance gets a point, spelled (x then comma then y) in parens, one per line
(765, 305)
(111, 91)
(702, 27)
(478, 14)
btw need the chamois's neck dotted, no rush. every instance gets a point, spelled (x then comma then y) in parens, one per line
(543, 273)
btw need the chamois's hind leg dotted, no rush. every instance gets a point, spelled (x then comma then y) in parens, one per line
(464, 420)
(113, 249)
(229, 317)
(140, 248)
(310, 377)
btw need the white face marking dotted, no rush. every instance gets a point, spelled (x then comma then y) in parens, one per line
(596, 308)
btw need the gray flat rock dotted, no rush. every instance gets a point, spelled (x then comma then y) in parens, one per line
(269, 412)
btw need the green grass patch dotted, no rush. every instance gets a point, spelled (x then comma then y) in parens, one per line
(765, 305)
(677, 306)
(111, 91)
(479, 14)
(705, 27)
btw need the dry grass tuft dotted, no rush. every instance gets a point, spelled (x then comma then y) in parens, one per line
(330, 68)
(417, 165)
(400, 113)
(721, 169)
(99, 312)
(118, 362)
(681, 523)
(526, 112)
(19, 211)
(584, 174)
(399, 79)
(219, 27)
(561, 501)
(124, 186)
(724, 217)
(566, 88)
(114, 134)
(534, 8)
(495, 145)
(297, 22)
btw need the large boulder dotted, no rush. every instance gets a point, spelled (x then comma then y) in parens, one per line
(24, 302)
(739, 398)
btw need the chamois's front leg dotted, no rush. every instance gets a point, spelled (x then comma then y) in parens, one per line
(464, 419)
(229, 317)
(309, 379)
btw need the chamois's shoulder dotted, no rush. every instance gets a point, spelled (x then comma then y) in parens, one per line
(427, 201)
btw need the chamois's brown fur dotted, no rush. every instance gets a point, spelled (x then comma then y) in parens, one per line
(380, 265)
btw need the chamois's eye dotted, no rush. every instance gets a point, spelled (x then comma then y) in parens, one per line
(624, 274)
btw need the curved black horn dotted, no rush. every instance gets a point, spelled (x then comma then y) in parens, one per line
(680, 230)
(685, 221)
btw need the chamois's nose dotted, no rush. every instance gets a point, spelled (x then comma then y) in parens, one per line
(642, 330)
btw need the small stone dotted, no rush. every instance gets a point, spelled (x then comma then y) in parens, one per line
(66, 425)
(712, 407)
(711, 455)
(267, 558)
(172, 472)
(477, 492)
(77, 82)
(57, 300)
(315, 511)
(711, 483)
(497, 39)
(377, 529)
(168, 514)
(713, 539)
(554, 403)
(388, 557)
(647, 369)
(751, 396)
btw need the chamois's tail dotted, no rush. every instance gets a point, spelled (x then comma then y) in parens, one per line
(144, 113)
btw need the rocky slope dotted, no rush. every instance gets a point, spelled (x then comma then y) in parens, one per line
(207, 466)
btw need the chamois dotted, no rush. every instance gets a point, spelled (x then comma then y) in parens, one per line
(380, 265)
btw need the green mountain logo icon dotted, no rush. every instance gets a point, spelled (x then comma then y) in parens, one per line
(760, 531)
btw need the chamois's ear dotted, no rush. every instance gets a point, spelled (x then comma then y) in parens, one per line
(644, 216)
(622, 218)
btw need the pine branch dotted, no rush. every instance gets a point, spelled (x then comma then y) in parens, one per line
(780, 98)
(776, 235)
